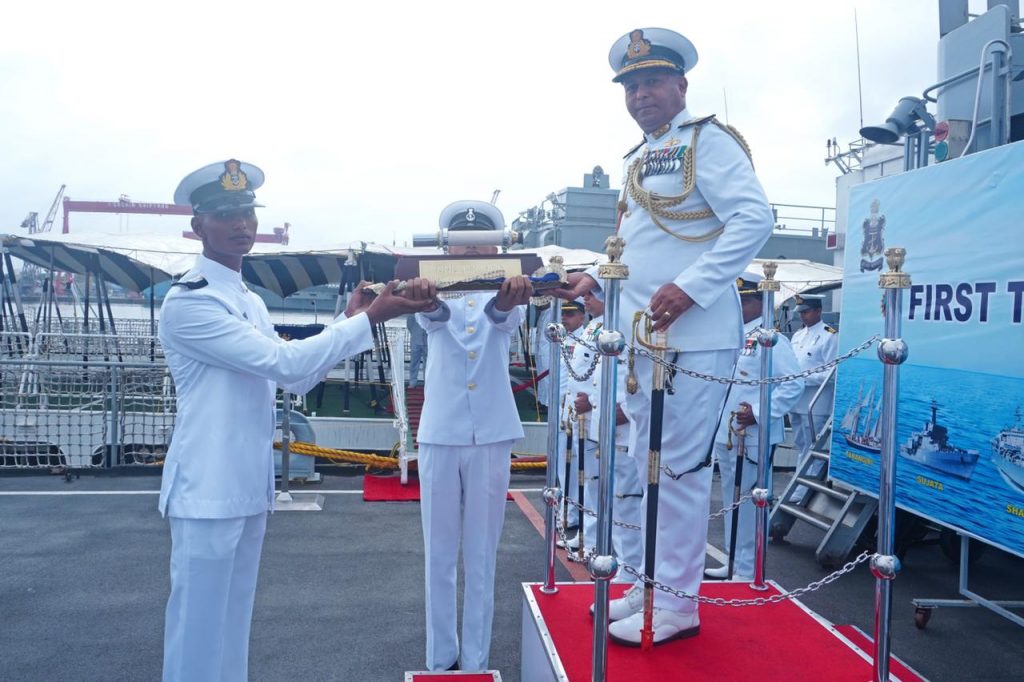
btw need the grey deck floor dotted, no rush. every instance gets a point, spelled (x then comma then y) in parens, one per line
(83, 583)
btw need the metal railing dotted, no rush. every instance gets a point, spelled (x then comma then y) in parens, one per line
(83, 414)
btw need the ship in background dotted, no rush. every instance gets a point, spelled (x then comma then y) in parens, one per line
(930, 447)
(863, 422)
(1008, 453)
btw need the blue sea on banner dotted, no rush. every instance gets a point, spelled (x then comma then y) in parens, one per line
(962, 323)
(971, 407)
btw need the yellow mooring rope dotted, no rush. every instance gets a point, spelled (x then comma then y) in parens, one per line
(377, 461)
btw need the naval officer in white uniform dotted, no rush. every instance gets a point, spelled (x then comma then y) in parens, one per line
(745, 401)
(466, 432)
(694, 215)
(573, 317)
(815, 344)
(218, 479)
(627, 543)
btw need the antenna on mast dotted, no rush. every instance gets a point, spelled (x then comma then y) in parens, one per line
(725, 99)
(860, 91)
(494, 197)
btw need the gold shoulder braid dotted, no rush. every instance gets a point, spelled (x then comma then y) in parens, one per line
(658, 205)
(736, 135)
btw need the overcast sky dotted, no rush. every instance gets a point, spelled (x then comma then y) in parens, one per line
(368, 118)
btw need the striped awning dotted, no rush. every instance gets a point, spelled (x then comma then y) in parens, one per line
(115, 266)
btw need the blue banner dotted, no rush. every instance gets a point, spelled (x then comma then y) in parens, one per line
(960, 426)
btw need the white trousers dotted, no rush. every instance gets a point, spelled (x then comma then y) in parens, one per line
(627, 543)
(569, 487)
(743, 564)
(214, 564)
(689, 425)
(803, 437)
(463, 490)
(590, 493)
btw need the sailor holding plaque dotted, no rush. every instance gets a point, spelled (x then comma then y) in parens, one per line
(466, 432)
(693, 216)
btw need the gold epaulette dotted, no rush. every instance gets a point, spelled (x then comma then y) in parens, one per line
(726, 128)
(695, 121)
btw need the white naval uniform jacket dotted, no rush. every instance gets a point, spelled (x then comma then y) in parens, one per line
(784, 395)
(467, 394)
(815, 346)
(582, 356)
(226, 361)
(707, 270)
(565, 399)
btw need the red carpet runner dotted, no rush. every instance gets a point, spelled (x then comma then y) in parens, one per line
(390, 489)
(457, 677)
(764, 643)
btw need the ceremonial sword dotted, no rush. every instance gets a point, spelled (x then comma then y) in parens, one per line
(653, 476)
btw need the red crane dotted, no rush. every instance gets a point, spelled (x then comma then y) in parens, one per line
(124, 205)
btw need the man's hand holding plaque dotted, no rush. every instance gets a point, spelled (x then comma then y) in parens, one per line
(514, 291)
(415, 295)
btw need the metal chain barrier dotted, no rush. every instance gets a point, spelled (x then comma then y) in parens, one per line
(567, 357)
(573, 555)
(639, 350)
(622, 524)
(757, 601)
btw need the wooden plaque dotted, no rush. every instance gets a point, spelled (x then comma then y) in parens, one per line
(466, 273)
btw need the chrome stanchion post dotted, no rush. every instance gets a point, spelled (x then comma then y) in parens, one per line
(611, 342)
(555, 334)
(286, 442)
(767, 337)
(892, 351)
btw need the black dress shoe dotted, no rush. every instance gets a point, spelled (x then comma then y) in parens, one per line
(454, 666)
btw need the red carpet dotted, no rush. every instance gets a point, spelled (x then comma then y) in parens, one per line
(764, 643)
(897, 668)
(453, 677)
(390, 489)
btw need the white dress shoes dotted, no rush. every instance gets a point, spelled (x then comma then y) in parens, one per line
(722, 573)
(572, 543)
(668, 626)
(624, 607)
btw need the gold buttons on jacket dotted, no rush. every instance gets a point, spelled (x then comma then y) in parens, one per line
(472, 355)
(470, 330)
(471, 386)
(471, 302)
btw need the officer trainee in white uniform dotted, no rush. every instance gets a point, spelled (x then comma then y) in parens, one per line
(694, 217)
(573, 317)
(745, 401)
(815, 344)
(417, 349)
(627, 544)
(218, 479)
(466, 432)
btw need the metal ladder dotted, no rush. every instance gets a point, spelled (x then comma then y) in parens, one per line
(840, 513)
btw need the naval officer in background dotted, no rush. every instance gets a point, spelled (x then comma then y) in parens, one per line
(815, 344)
(227, 361)
(466, 432)
(693, 216)
(573, 317)
(745, 401)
